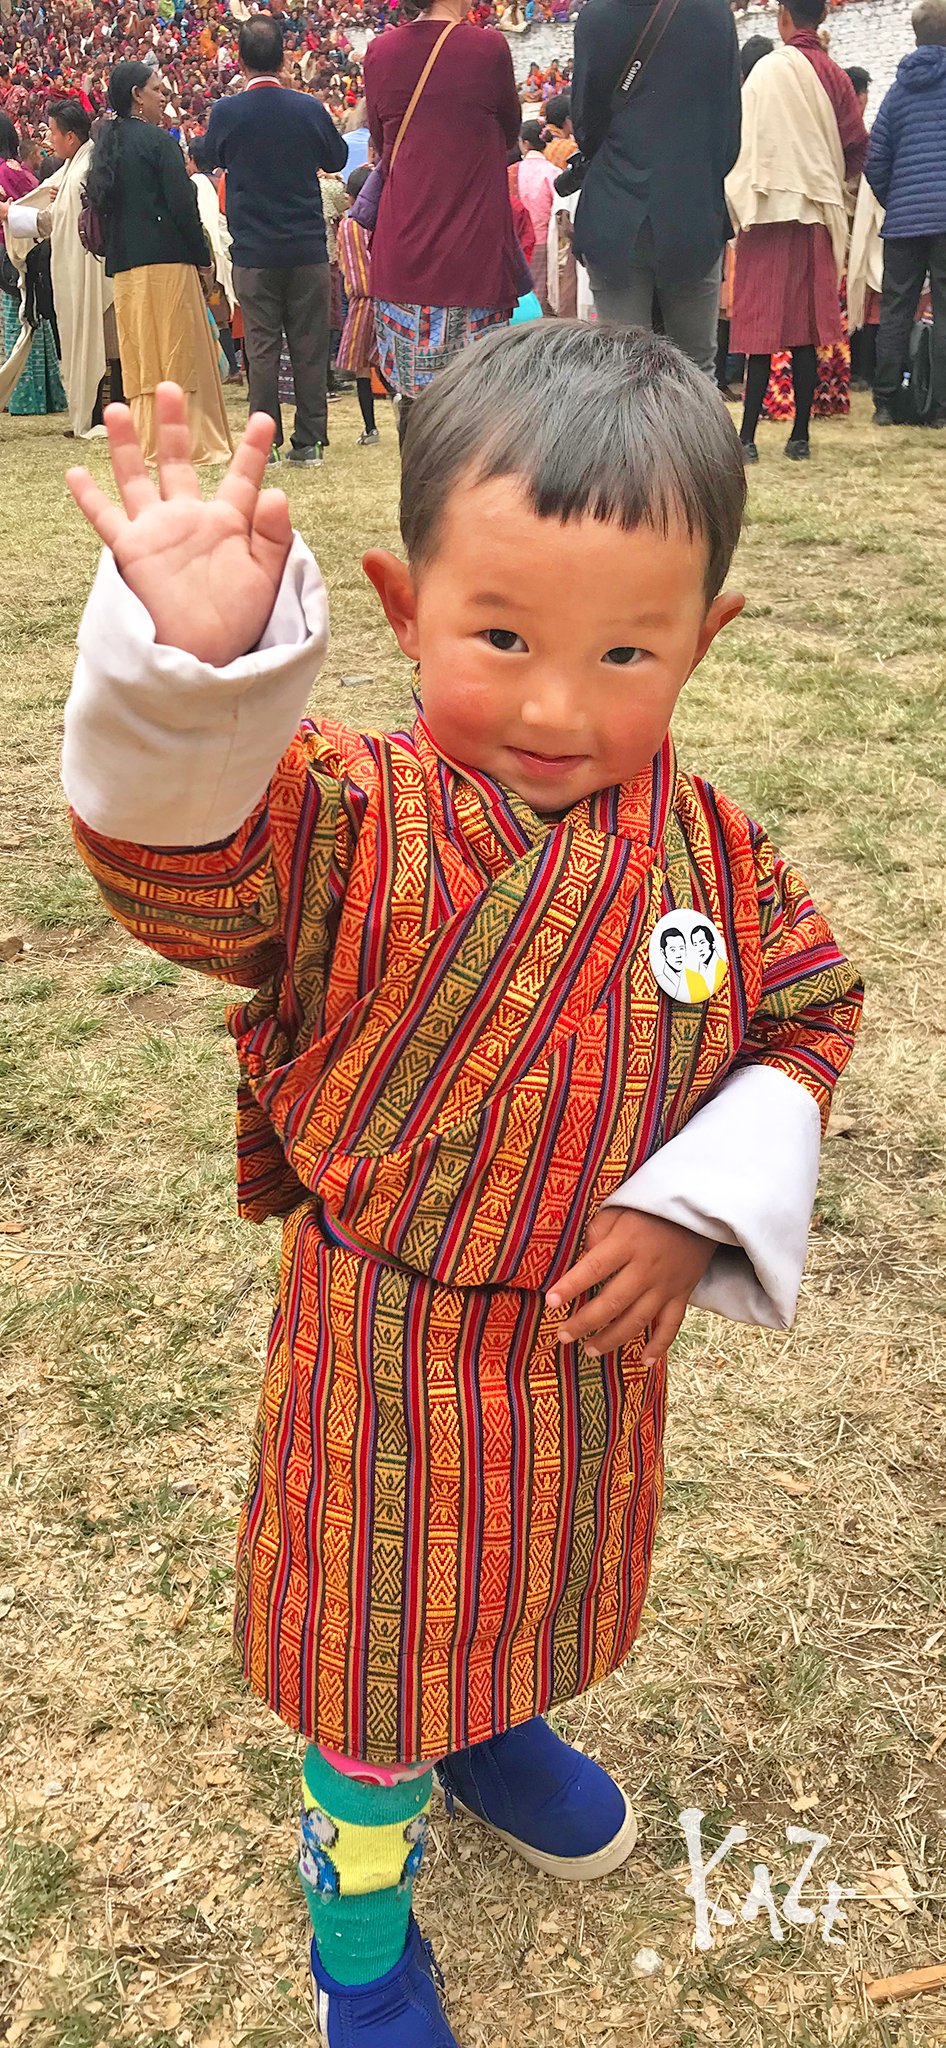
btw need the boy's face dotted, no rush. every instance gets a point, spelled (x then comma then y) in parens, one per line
(552, 655)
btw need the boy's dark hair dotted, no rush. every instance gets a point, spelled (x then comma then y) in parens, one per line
(531, 132)
(357, 179)
(70, 118)
(860, 79)
(260, 43)
(558, 108)
(589, 419)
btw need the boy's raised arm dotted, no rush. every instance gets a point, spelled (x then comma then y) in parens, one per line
(205, 629)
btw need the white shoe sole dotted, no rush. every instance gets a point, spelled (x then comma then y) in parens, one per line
(573, 1869)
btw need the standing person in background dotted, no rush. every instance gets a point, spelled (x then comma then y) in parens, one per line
(213, 222)
(38, 387)
(445, 261)
(803, 137)
(272, 143)
(860, 79)
(906, 169)
(536, 186)
(652, 215)
(560, 135)
(358, 347)
(82, 294)
(155, 250)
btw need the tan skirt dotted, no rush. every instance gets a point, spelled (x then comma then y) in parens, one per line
(164, 336)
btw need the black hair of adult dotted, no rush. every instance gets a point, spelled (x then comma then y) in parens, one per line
(752, 50)
(9, 140)
(665, 937)
(706, 931)
(102, 182)
(197, 150)
(807, 13)
(70, 118)
(860, 79)
(531, 133)
(605, 421)
(261, 44)
(558, 108)
(358, 177)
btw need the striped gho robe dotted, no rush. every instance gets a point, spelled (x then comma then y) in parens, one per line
(455, 1053)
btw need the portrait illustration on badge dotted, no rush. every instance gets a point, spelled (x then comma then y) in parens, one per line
(688, 956)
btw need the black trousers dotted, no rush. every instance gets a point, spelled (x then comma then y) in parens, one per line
(294, 302)
(907, 258)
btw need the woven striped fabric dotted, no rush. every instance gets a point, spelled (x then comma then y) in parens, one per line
(358, 348)
(455, 1052)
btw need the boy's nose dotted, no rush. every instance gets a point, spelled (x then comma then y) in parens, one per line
(551, 706)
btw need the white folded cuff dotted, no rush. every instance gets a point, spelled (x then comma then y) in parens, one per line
(743, 1171)
(164, 750)
(21, 221)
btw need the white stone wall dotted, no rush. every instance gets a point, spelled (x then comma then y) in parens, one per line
(875, 33)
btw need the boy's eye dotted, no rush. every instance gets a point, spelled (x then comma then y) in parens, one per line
(623, 656)
(506, 642)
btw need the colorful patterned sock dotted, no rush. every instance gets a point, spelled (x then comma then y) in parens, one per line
(360, 1848)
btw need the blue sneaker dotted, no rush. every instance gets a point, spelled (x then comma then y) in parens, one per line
(557, 1808)
(399, 2010)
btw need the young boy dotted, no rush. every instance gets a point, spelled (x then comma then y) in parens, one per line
(462, 1082)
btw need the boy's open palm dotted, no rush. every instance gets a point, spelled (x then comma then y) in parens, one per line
(206, 571)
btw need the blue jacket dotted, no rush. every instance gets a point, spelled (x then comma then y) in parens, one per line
(907, 162)
(272, 143)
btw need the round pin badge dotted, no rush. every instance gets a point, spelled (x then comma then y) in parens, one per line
(688, 957)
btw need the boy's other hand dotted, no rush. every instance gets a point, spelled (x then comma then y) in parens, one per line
(207, 572)
(646, 1270)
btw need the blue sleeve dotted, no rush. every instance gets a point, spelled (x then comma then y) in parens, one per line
(215, 137)
(333, 147)
(878, 169)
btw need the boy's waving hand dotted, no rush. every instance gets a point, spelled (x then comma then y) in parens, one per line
(207, 571)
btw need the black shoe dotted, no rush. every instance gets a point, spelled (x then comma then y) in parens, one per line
(798, 451)
(750, 453)
(307, 458)
(883, 417)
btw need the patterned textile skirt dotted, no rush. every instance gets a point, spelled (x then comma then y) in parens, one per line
(832, 398)
(358, 347)
(39, 388)
(785, 292)
(450, 1515)
(414, 342)
(164, 333)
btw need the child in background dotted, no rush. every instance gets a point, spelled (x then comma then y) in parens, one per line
(462, 1085)
(358, 347)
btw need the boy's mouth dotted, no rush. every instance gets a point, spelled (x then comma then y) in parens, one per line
(549, 766)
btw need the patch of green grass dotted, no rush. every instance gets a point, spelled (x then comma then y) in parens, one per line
(26, 988)
(67, 897)
(37, 1879)
(137, 975)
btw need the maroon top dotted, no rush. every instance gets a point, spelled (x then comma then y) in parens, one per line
(855, 140)
(445, 234)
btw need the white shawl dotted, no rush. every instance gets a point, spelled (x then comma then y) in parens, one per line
(865, 264)
(791, 163)
(81, 292)
(218, 235)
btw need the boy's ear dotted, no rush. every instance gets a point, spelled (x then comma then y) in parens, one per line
(394, 584)
(724, 608)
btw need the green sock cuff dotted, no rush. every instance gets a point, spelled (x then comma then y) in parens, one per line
(367, 1806)
(359, 1939)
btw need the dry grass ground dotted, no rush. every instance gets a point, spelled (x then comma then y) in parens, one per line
(791, 1671)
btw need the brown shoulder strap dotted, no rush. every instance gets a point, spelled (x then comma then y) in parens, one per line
(418, 89)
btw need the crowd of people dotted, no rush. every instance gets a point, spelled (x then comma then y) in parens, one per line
(190, 195)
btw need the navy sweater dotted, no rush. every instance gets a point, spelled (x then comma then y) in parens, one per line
(907, 162)
(272, 143)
